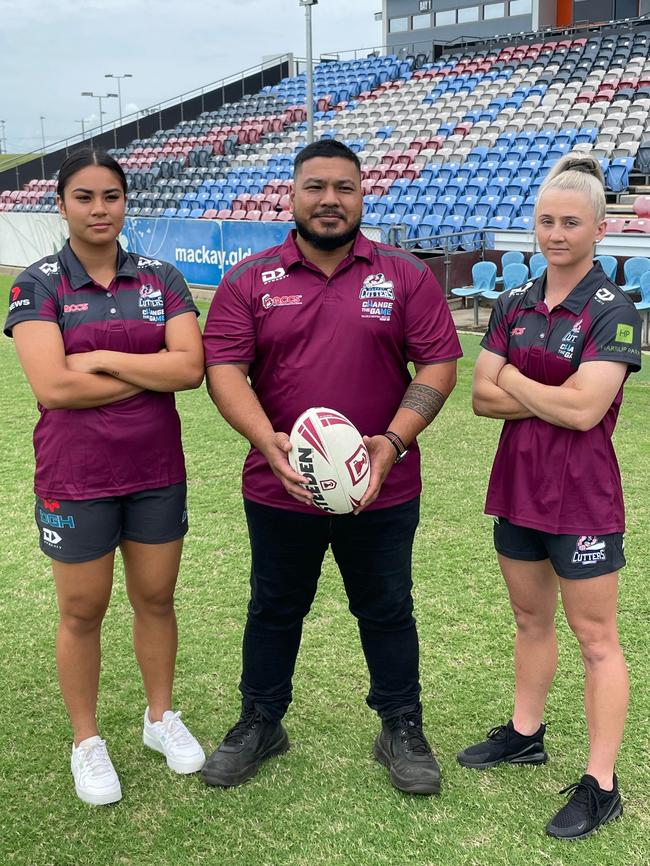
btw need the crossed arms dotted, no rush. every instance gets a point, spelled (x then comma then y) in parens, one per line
(97, 378)
(499, 390)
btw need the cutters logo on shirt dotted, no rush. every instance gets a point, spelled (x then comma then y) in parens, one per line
(589, 549)
(150, 297)
(377, 286)
(269, 301)
(567, 346)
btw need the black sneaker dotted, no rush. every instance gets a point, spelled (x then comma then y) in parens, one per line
(402, 747)
(505, 745)
(588, 809)
(245, 746)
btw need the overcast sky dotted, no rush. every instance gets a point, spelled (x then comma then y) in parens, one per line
(51, 50)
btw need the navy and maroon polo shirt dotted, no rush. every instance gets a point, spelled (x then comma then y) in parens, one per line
(544, 476)
(342, 341)
(131, 445)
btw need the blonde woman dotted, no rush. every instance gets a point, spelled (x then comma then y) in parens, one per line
(555, 359)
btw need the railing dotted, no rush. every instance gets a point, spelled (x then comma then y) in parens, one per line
(157, 108)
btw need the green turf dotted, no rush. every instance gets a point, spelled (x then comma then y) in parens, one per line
(327, 802)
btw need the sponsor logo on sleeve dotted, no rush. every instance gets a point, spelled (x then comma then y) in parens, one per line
(21, 296)
(520, 290)
(624, 333)
(589, 550)
(604, 296)
(49, 268)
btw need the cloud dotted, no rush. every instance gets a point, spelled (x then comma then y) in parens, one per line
(174, 49)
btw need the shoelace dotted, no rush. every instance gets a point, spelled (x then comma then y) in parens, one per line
(498, 733)
(583, 795)
(175, 731)
(410, 728)
(237, 734)
(95, 760)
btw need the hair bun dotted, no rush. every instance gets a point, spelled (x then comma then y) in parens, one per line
(581, 163)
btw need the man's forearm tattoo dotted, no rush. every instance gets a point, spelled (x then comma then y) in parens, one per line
(424, 400)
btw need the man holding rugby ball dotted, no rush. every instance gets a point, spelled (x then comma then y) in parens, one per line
(330, 318)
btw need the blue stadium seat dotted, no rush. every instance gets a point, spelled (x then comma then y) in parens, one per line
(537, 265)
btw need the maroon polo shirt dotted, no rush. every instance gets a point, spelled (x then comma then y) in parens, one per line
(544, 476)
(131, 445)
(342, 341)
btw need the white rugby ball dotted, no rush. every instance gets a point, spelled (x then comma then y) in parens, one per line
(329, 451)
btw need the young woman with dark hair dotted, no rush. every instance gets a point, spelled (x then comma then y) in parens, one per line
(105, 337)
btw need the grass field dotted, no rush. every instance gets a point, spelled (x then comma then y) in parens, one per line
(327, 802)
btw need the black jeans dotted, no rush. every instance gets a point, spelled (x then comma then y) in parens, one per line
(373, 553)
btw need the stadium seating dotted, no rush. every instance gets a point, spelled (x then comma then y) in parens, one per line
(537, 265)
(633, 269)
(484, 275)
(459, 144)
(643, 306)
(610, 265)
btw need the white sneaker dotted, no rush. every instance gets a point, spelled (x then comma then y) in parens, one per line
(171, 737)
(95, 779)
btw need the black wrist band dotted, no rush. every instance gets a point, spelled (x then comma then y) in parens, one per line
(396, 441)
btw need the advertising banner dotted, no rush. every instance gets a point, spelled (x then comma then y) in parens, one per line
(203, 250)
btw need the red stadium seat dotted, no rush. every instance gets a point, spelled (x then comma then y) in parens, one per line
(637, 226)
(615, 225)
(642, 206)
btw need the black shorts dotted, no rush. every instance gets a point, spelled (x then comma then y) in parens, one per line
(85, 529)
(572, 556)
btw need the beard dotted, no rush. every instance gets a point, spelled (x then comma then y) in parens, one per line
(326, 242)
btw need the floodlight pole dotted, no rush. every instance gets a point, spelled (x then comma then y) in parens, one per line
(43, 147)
(3, 140)
(83, 128)
(119, 88)
(310, 69)
(98, 97)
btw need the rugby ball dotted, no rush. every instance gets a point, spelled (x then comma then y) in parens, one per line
(328, 450)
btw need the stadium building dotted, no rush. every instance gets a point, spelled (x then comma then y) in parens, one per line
(419, 24)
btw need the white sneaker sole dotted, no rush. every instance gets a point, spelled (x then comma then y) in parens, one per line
(113, 795)
(189, 765)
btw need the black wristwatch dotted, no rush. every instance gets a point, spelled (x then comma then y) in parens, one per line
(399, 446)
